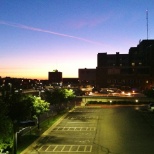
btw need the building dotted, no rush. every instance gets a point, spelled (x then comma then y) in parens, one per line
(135, 69)
(70, 82)
(87, 76)
(55, 77)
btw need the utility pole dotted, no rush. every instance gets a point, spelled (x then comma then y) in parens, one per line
(147, 23)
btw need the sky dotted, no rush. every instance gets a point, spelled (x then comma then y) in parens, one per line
(39, 36)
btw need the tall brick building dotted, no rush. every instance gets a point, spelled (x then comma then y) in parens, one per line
(135, 69)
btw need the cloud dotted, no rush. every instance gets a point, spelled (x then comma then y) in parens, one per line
(90, 22)
(47, 31)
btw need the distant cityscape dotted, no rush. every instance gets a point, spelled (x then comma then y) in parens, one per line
(134, 70)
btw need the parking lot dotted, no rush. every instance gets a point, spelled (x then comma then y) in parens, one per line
(75, 133)
(99, 131)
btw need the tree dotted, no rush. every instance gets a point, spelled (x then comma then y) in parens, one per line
(149, 93)
(59, 98)
(17, 108)
(68, 94)
(5, 128)
(48, 96)
(20, 107)
(39, 107)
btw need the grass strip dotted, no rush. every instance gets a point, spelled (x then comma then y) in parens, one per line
(26, 140)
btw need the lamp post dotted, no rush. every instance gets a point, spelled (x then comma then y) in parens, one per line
(10, 84)
(15, 137)
(39, 93)
(15, 142)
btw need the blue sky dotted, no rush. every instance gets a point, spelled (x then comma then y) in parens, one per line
(38, 36)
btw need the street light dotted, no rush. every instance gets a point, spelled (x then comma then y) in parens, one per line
(136, 101)
(110, 102)
(10, 84)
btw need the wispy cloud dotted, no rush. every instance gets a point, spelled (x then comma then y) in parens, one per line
(47, 31)
(90, 22)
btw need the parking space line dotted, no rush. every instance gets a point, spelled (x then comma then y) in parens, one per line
(90, 149)
(66, 148)
(47, 148)
(81, 117)
(78, 148)
(63, 148)
(55, 148)
(85, 148)
(80, 122)
(70, 148)
(74, 129)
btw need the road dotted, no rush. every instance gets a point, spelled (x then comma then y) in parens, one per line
(107, 130)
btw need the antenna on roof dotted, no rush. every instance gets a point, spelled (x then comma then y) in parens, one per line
(147, 23)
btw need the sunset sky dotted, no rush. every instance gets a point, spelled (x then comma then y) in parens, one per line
(39, 36)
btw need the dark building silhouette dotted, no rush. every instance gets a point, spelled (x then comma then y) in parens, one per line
(87, 76)
(70, 82)
(55, 77)
(135, 69)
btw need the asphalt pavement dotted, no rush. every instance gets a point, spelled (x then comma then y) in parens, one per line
(99, 130)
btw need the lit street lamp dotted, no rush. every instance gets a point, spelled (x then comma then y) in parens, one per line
(10, 84)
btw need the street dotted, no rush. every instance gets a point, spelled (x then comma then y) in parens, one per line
(106, 130)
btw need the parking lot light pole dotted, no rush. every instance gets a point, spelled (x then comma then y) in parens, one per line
(10, 84)
(14, 139)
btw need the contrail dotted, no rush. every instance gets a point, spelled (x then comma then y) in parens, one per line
(47, 31)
